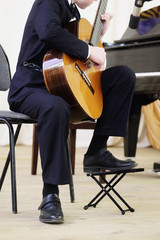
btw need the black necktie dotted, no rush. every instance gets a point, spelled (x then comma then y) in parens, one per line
(74, 11)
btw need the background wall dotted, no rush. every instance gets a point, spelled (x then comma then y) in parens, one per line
(13, 15)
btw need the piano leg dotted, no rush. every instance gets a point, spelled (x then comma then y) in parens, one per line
(130, 140)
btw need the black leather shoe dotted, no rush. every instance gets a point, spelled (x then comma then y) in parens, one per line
(103, 159)
(51, 211)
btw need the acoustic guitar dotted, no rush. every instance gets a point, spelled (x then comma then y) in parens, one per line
(77, 82)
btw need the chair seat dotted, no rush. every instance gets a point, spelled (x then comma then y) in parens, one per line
(15, 117)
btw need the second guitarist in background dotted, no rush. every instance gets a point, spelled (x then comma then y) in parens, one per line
(28, 94)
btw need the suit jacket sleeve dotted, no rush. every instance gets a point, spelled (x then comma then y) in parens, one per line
(49, 19)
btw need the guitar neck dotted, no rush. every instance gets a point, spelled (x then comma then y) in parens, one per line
(97, 27)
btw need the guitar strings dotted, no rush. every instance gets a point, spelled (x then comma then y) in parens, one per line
(97, 27)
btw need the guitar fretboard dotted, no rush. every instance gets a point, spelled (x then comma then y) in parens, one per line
(97, 28)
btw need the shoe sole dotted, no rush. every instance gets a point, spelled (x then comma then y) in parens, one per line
(51, 221)
(99, 169)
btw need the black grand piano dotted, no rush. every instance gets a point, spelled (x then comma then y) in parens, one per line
(140, 50)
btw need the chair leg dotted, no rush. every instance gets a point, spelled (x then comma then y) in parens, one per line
(72, 143)
(11, 159)
(34, 151)
(71, 186)
(13, 171)
(8, 157)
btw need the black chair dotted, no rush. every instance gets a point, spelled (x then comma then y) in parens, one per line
(9, 118)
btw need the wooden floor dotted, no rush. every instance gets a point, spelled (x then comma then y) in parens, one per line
(140, 190)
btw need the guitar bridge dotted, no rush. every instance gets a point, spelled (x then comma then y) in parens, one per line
(85, 78)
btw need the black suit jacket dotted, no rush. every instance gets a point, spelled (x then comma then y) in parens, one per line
(43, 31)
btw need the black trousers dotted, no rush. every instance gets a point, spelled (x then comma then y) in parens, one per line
(53, 115)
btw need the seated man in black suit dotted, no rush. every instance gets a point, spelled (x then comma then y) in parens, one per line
(28, 94)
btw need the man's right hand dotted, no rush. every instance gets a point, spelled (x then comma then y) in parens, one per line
(97, 56)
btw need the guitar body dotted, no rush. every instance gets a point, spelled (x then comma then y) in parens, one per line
(64, 76)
